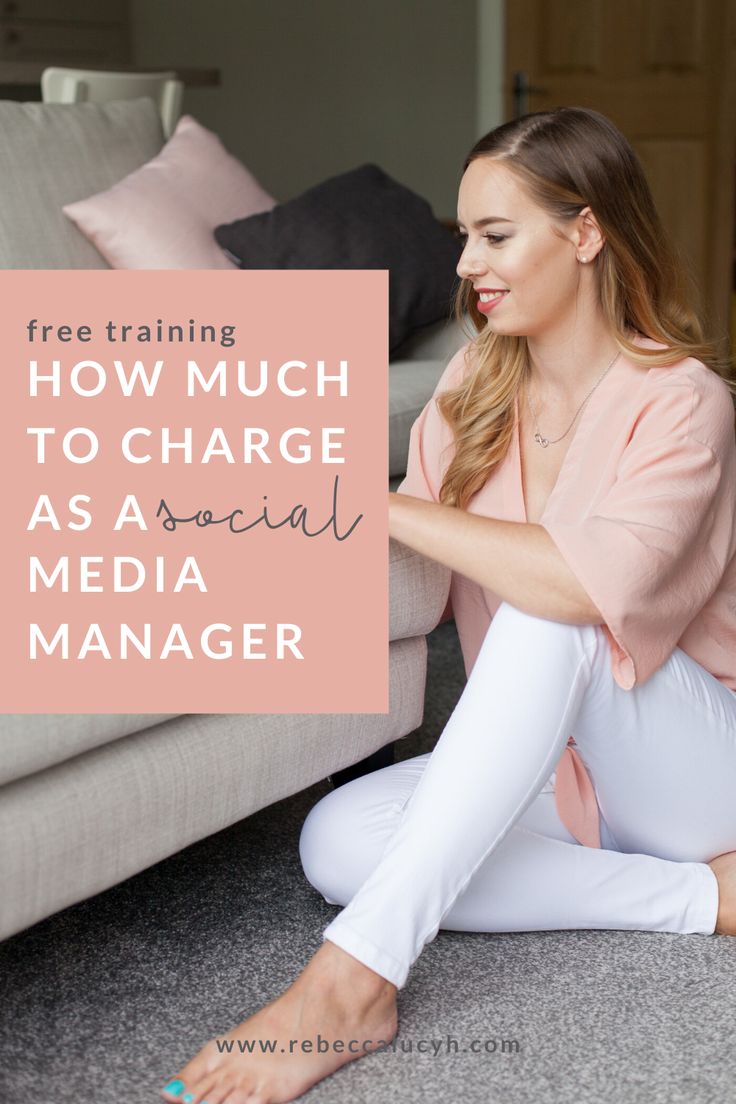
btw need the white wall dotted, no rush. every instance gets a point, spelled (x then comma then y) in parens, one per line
(311, 88)
(491, 73)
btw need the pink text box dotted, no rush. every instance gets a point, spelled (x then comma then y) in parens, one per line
(311, 561)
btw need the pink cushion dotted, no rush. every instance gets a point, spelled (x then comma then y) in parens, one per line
(163, 214)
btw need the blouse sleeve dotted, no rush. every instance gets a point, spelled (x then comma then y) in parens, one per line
(430, 439)
(652, 552)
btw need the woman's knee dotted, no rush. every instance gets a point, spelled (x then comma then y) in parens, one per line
(532, 623)
(345, 833)
(338, 838)
(323, 828)
(530, 632)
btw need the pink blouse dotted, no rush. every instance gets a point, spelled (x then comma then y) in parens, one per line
(644, 513)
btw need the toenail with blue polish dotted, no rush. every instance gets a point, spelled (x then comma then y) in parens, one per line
(175, 1087)
(188, 1098)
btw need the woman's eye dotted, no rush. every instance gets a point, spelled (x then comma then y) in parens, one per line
(493, 238)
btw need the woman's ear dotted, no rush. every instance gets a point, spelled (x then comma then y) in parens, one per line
(590, 237)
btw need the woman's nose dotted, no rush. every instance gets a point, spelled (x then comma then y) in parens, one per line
(469, 265)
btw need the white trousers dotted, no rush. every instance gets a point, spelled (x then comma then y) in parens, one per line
(467, 837)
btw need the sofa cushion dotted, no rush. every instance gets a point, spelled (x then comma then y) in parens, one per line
(359, 219)
(52, 154)
(440, 341)
(163, 214)
(413, 376)
(412, 385)
(102, 816)
(31, 742)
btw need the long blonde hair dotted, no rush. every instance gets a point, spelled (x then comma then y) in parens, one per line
(568, 159)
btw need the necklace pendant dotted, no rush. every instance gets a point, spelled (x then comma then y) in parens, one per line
(541, 440)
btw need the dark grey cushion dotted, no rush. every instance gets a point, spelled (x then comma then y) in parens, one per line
(360, 219)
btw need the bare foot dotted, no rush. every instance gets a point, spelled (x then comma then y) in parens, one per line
(336, 1010)
(724, 868)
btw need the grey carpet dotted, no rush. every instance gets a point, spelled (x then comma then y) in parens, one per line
(102, 1002)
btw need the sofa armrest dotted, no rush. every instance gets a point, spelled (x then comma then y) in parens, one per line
(419, 589)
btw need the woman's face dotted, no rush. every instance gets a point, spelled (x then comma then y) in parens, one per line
(510, 247)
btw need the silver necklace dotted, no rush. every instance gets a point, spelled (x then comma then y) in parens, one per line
(544, 441)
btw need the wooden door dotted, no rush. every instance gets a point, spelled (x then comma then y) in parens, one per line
(664, 71)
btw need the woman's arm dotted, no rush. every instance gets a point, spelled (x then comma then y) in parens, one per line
(516, 560)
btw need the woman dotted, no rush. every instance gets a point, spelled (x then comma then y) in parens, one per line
(588, 399)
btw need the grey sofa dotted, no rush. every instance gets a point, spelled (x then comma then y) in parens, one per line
(87, 800)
